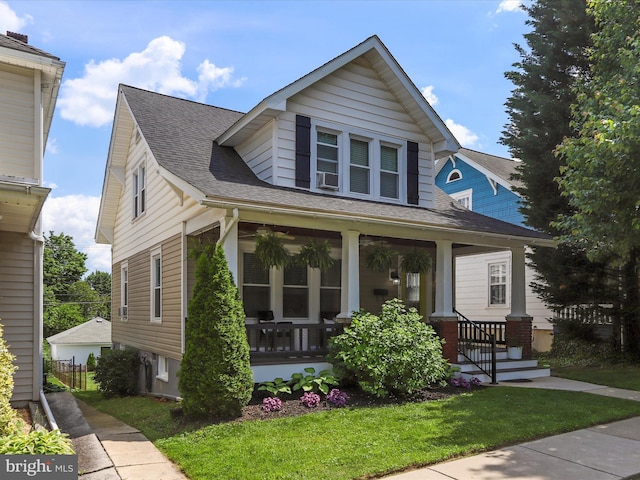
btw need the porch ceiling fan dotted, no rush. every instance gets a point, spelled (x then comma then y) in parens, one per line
(267, 231)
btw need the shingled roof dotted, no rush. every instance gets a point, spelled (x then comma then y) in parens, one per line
(499, 166)
(14, 44)
(95, 331)
(181, 133)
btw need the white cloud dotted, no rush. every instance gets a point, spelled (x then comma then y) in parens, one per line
(76, 216)
(465, 136)
(509, 6)
(52, 146)
(427, 92)
(90, 99)
(10, 21)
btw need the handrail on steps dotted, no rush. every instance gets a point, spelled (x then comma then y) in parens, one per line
(476, 344)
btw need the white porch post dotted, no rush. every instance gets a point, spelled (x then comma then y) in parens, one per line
(229, 239)
(350, 275)
(444, 279)
(518, 283)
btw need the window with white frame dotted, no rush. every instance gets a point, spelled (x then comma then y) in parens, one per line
(389, 172)
(256, 287)
(454, 175)
(369, 165)
(124, 291)
(330, 291)
(360, 168)
(156, 286)
(139, 190)
(163, 368)
(327, 151)
(464, 198)
(498, 284)
(295, 292)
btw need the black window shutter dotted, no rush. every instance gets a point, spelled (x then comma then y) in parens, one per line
(412, 173)
(303, 151)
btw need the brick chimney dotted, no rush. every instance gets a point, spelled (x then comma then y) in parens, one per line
(18, 36)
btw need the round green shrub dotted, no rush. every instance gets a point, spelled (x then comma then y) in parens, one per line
(117, 373)
(215, 377)
(394, 353)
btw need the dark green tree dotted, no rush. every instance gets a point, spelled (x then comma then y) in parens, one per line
(63, 264)
(100, 282)
(540, 112)
(600, 180)
(215, 377)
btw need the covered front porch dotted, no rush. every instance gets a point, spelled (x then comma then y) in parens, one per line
(292, 312)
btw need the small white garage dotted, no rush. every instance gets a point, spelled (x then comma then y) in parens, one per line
(78, 342)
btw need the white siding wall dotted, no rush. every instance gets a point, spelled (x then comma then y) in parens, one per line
(17, 128)
(353, 96)
(80, 352)
(472, 290)
(17, 312)
(258, 152)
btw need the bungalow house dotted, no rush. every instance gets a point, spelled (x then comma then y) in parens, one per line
(344, 154)
(483, 183)
(29, 83)
(82, 340)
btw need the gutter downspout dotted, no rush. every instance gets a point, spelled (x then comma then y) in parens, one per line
(47, 411)
(229, 225)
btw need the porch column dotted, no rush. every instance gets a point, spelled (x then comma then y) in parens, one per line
(229, 240)
(444, 320)
(518, 327)
(350, 275)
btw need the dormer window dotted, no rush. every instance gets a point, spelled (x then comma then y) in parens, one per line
(389, 172)
(454, 175)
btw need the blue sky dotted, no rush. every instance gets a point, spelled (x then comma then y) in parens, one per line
(233, 54)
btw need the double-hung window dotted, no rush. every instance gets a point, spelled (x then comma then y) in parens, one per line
(124, 291)
(295, 292)
(328, 152)
(139, 190)
(389, 172)
(498, 284)
(156, 286)
(256, 288)
(330, 290)
(359, 167)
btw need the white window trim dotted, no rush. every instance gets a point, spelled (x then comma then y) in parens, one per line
(457, 196)
(124, 267)
(155, 253)
(345, 134)
(163, 369)
(507, 298)
(135, 177)
(455, 170)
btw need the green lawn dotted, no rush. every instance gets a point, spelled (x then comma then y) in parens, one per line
(358, 443)
(617, 376)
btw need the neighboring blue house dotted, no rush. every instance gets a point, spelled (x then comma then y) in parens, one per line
(483, 183)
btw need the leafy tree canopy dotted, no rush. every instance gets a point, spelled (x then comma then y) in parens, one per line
(63, 263)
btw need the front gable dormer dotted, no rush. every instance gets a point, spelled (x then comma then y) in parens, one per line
(355, 127)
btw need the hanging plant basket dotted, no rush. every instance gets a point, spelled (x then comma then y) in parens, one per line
(416, 261)
(316, 254)
(379, 257)
(271, 252)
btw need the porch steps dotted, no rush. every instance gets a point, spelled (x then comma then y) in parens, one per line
(507, 370)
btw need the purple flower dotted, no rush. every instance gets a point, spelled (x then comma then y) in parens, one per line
(337, 398)
(271, 404)
(310, 400)
(475, 381)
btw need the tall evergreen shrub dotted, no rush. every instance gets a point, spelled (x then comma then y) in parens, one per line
(215, 377)
(7, 368)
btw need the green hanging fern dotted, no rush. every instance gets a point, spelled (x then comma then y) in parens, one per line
(271, 252)
(379, 257)
(416, 261)
(316, 254)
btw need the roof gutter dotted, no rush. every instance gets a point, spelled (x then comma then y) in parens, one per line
(211, 202)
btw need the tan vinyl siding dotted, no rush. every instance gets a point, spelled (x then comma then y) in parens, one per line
(139, 331)
(17, 129)
(17, 308)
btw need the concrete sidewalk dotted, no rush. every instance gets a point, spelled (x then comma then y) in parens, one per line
(603, 452)
(107, 448)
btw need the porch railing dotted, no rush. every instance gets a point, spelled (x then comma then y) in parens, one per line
(477, 343)
(281, 341)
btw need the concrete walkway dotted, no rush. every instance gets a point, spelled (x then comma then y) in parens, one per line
(107, 448)
(603, 452)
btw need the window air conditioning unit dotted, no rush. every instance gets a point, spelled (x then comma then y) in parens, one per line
(328, 180)
(122, 311)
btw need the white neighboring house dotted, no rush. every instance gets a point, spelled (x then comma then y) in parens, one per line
(78, 342)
